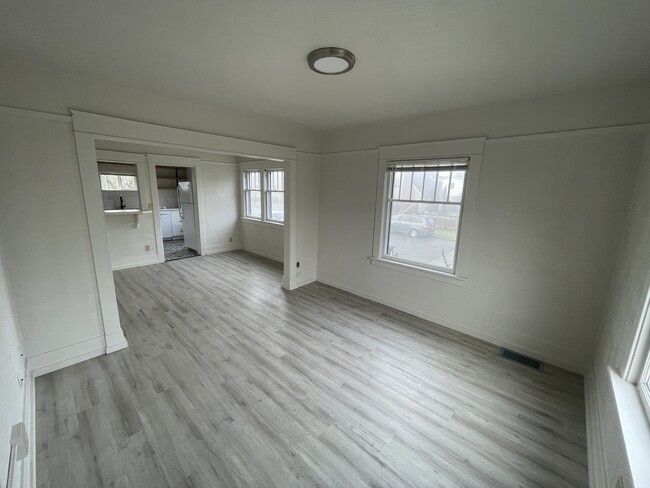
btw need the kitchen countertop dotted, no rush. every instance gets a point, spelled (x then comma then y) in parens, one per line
(126, 211)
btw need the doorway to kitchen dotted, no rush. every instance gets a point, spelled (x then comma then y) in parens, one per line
(175, 186)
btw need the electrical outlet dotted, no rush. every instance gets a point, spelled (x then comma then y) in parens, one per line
(298, 264)
(147, 248)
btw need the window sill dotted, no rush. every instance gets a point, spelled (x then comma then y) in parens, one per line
(418, 271)
(635, 428)
(264, 223)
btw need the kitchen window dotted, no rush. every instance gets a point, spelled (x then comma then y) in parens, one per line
(118, 182)
(264, 195)
(424, 206)
(119, 185)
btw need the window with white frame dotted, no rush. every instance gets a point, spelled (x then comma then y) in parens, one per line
(253, 194)
(423, 209)
(264, 195)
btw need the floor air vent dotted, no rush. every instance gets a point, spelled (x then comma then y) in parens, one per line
(520, 358)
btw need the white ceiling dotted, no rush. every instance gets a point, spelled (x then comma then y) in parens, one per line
(413, 57)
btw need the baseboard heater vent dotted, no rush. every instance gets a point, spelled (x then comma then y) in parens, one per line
(520, 358)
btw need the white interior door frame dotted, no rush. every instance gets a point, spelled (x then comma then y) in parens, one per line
(91, 128)
(194, 164)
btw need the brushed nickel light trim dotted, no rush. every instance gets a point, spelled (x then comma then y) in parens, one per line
(331, 52)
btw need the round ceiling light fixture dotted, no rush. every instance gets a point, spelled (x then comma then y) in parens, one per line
(331, 60)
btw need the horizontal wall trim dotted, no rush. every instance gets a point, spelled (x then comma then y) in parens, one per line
(485, 331)
(304, 278)
(531, 136)
(218, 248)
(263, 253)
(263, 223)
(48, 361)
(36, 113)
(136, 264)
(111, 128)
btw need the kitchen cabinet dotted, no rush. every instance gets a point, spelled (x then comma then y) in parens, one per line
(171, 223)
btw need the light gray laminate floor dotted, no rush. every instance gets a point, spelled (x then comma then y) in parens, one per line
(230, 381)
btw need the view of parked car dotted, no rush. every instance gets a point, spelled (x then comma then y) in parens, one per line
(413, 225)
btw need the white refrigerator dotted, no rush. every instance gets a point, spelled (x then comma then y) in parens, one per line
(186, 207)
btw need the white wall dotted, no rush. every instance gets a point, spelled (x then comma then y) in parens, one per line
(221, 206)
(621, 319)
(127, 240)
(549, 217)
(12, 369)
(58, 92)
(45, 243)
(263, 239)
(581, 110)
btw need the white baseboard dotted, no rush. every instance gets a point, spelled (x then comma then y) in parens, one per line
(135, 264)
(264, 253)
(304, 278)
(115, 342)
(217, 248)
(62, 357)
(487, 332)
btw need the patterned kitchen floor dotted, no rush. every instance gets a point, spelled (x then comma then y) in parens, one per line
(175, 249)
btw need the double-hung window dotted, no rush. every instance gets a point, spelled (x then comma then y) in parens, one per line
(264, 195)
(424, 206)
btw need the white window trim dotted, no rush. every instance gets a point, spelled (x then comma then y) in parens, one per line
(637, 370)
(262, 167)
(461, 148)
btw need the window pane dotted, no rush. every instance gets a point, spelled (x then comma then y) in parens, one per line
(457, 186)
(423, 234)
(397, 178)
(442, 188)
(114, 182)
(254, 204)
(252, 180)
(275, 207)
(275, 180)
(405, 188)
(416, 189)
(430, 179)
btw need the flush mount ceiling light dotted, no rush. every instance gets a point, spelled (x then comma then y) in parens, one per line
(331, 60)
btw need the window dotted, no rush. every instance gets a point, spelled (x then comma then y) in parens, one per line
(424, 205)
(264, 195)
(252, 194)
(117, 182)
(275, 195)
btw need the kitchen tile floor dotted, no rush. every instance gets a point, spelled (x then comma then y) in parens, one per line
(175, 249)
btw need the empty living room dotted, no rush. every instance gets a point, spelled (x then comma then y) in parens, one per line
(325, 243)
